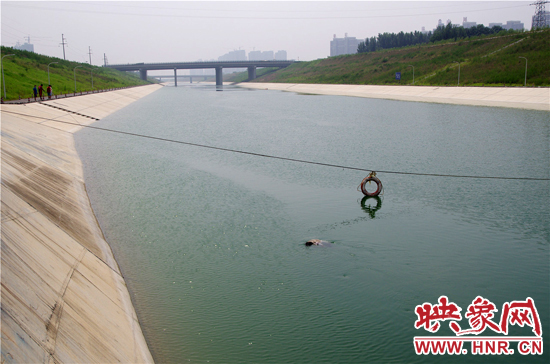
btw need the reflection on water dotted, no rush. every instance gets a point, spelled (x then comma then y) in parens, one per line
(211, 244)
(368, 208)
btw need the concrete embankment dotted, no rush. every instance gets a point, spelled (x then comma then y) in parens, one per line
(64, 299)
(515, 97)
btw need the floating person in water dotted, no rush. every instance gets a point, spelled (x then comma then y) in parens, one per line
(317, 242)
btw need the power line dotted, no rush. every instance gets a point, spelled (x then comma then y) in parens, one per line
(272, 156)
(278, 10)
(266, 17)
(17, 30)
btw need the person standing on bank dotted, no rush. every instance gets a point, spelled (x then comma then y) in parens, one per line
(49, 90)
(40, 91)
(35, 91)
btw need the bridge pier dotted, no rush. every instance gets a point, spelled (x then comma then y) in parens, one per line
(143, 74)
(219, 76)
(175, 77)
(251, 73)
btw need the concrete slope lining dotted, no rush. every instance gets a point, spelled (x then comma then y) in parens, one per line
(64, 299)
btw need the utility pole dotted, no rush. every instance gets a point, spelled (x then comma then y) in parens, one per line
(63, 43)
(413, 72)
(90, 53)
(104, 59)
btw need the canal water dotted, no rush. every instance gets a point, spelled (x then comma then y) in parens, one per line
(211, 243)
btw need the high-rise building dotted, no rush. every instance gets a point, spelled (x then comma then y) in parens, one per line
(468, 24)
(280, 55)
(255, 55)
(513, 24)
(346, 45)
(27, 46)
(236, 55)
(267, 56)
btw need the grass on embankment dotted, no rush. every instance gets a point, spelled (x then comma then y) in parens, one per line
(26, 69)
(485, 61)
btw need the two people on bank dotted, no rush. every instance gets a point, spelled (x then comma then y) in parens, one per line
(40, 90)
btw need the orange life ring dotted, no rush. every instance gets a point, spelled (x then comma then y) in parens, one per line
(378, 185)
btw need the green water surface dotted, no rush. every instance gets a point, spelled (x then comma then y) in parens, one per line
(211, 243)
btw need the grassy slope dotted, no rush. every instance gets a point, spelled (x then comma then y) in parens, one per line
(433, 64)
(243, 76)
(26, 69)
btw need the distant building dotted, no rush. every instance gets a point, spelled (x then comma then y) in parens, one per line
(468, 24)
(255, 55)
(27, 46)
(495, 25)
(262, 56)
(267, 56)
(513, 24)
(346, 45)
(280, 55)
(424, 31)
(545, 20)
(237, 55)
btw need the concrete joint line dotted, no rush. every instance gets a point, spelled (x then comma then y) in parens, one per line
(18, 217)
(96, 105)
(70, 111)
(52, 325)
(18, 322)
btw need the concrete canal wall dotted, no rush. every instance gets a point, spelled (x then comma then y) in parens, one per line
(515, 97)
(64, 299)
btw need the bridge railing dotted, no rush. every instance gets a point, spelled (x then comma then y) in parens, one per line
(200, 62)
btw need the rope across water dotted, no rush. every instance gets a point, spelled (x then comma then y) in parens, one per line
(285, 158)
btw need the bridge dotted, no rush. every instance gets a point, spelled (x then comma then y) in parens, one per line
(217, 65)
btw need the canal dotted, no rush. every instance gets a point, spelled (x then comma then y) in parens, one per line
(211, 242)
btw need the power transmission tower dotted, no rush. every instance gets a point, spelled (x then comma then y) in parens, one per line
(539, 20)
(90, 53)
(63, 42)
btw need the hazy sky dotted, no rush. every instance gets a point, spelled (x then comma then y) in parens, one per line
(170, 31)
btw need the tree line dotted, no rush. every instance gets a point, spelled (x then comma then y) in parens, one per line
(458, 32)
(392, 40)
(401, 39)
